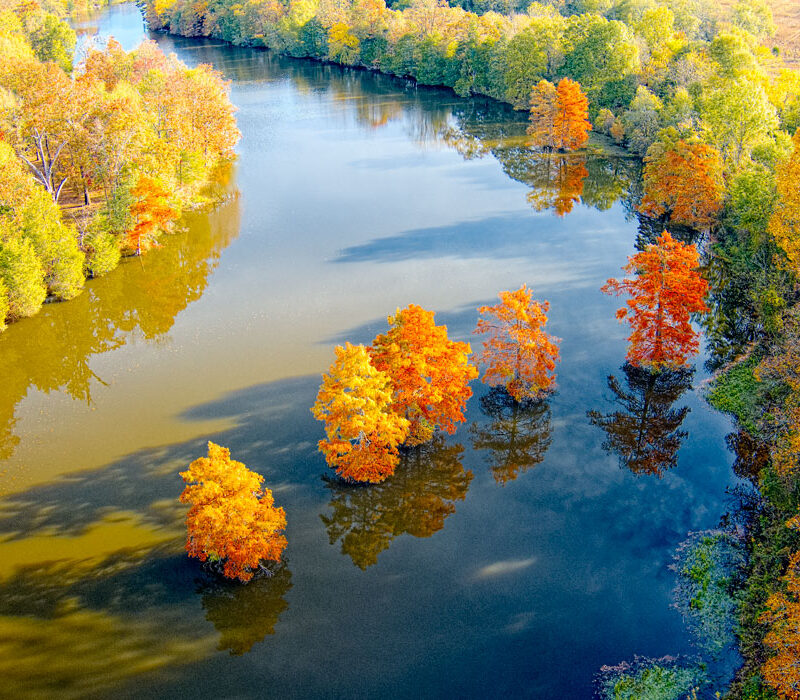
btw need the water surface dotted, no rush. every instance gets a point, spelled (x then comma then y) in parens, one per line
(515, 557)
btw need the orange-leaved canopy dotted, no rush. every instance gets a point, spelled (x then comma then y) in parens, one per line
(518, 353)
(683, 182)
(559, 116)
(430, 373)
(664, 289)
(232, 520)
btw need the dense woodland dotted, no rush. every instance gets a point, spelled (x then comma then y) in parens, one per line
(98, 160)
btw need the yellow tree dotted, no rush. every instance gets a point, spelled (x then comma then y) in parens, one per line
(362, 432)
(232, 521)
(785, 222)
(430, 373)
(518, 354)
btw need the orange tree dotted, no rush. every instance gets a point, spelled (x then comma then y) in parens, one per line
(430, 373)
(665, 289)
(232, 521)
(683, 182)
(151, 212)
(362, 432)
(559, 116)
(517, 353)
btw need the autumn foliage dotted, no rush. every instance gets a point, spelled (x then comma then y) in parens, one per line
(151, 212)
(517, 353)
(683, 183)
(429, 372)
(781, 369)
(559, 116)
(664, 290)
(784, 225)
(362, 429)
(782, 614)
(232, 520)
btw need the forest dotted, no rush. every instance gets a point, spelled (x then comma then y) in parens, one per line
(98, 159)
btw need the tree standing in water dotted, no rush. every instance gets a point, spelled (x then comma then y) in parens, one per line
(559, 116)
(518, 353)
(666, 287)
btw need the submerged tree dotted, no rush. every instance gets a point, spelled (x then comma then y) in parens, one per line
(232, 521)
(416, 500)
(645, 433)
(362, 431)
(559, 116)
(430, 373)
(518, 436)
(665, 289)
(518, 354)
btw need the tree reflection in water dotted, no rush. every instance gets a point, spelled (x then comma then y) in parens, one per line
(244, 614)
(558, 182)
(416, 500)
(646, 432)
(55, 349)
(518, 436)
(99, 624)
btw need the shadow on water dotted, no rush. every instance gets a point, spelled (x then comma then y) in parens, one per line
(646, 433)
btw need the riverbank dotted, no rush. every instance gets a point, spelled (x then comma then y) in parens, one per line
(97, 162)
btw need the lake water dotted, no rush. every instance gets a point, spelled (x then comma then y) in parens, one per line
(513, 558)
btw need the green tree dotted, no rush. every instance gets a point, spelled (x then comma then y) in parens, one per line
(642, 121)
(738, 115)
(598, 52)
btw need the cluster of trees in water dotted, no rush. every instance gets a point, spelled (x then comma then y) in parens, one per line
(94, 163)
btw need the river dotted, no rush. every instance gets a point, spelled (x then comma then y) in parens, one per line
(514, 558)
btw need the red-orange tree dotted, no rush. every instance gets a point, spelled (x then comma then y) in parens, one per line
(518, 353)
(430, 373)
(152, 213)
(665, 289)
(683, 182)
(559, 116)
(232, 521)
(362, 431)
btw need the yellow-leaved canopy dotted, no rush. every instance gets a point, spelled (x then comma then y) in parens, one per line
(362, 432)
